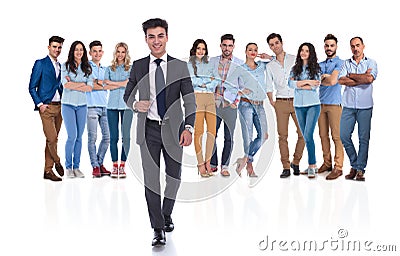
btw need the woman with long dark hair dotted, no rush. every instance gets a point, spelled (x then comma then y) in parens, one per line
(77, 79)
(203, 82)
(305, 80)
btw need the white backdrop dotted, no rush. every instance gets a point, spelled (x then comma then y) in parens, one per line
(27, 25)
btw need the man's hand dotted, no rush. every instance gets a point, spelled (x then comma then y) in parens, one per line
(142, 105)
(43, 108)
(186, 138)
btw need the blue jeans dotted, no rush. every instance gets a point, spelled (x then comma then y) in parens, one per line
(97, 115)
(228, 115)
(74, 120)
(116, 117)
(250, 115)
(347, 122)
(307, 118)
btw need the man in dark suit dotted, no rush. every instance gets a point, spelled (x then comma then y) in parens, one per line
(161, 81)
(46, 91)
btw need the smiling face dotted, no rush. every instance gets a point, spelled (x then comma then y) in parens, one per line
(96, 52)
(330, 47)
(78, 53)
(227, 47)
(55, 49)
(200, 51)
(121, 54)
(156, 39)
(304, 53)
(251, 51)
(275, 45)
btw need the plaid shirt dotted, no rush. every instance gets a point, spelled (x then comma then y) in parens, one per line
(223, 68)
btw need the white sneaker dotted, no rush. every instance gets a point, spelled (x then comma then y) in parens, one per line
(311, 172)
(70, 173)
(78, 173)
(114, 173)
(121, 171)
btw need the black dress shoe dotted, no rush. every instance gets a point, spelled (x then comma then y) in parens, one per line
(285, 173)
(169, 225)
(296, 169)
(59, 169)
(159, 237)
(51, 176)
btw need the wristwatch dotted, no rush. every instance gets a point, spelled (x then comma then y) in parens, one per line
(189, 128)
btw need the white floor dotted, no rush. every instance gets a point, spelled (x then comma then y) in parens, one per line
(109, 217)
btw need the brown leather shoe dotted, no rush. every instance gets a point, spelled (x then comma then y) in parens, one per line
(51, 176)
(360, 176)
(351, 175)
(335, 173)
(59, 169)
(324, 168)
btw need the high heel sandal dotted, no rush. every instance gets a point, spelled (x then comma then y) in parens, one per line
(252, 174)
(203, 174)
(240, 164)
(209, 169)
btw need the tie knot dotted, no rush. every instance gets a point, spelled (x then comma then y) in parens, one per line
(158, 61)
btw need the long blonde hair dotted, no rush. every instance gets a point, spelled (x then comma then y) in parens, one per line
(114, 62)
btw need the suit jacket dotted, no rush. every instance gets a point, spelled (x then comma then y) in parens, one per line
(44, 83)
(178, 82)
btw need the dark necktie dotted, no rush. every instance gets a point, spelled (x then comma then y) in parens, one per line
(160, 89)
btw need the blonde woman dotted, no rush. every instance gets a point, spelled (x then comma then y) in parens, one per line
(119, 115)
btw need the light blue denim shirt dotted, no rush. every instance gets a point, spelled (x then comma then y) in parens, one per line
(74, 97)
(331, 94)
(229, 95)
(252, 79)
(97, 98)
(204, 74)
(304, 98)
(360, 96)
(115, 97)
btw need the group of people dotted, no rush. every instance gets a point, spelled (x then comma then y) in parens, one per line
(173, 99)
(76, 92)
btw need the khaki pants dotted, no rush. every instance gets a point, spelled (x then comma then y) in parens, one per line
(51, 121)
(330, 119)
(205, 111)
(283, 110)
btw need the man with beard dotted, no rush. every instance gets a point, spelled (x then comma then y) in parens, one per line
(226, 101)
(357, 74)
(331, 109)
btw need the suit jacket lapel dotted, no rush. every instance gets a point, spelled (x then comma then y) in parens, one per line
(50, 65)
(144, 82)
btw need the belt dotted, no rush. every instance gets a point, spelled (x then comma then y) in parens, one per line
(285, 99)
(55, 103)
(158, 122)
(253, 102)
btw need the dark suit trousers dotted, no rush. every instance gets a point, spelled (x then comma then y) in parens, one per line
(151, 153)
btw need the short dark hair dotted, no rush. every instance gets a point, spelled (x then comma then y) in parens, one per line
(330, 37)
(153, 23)
(227, 37)
(56, 39)
(95, 43)
(272, 36)
(357, 37)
